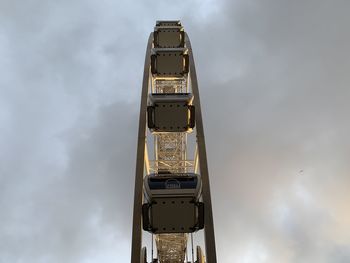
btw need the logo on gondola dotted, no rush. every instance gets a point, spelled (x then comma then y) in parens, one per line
(172, 184)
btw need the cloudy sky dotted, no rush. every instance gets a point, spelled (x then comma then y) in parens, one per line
(274, 80)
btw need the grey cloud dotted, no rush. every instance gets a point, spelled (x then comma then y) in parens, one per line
(273, 80)
(283, 108)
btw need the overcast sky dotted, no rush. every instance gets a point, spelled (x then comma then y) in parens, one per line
(274, 81)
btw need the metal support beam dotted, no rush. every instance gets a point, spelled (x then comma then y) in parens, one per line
(203, 166)
(140, 161)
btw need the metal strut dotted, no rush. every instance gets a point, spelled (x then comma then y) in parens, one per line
(140, 160)
(172, 192)
(210, 246)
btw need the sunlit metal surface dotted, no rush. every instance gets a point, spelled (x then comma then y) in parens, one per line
(171, 247)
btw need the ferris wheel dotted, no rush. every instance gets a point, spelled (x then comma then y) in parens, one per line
(172, 199)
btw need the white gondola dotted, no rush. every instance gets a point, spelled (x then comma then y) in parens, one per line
(170, 195)
(172, 185)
